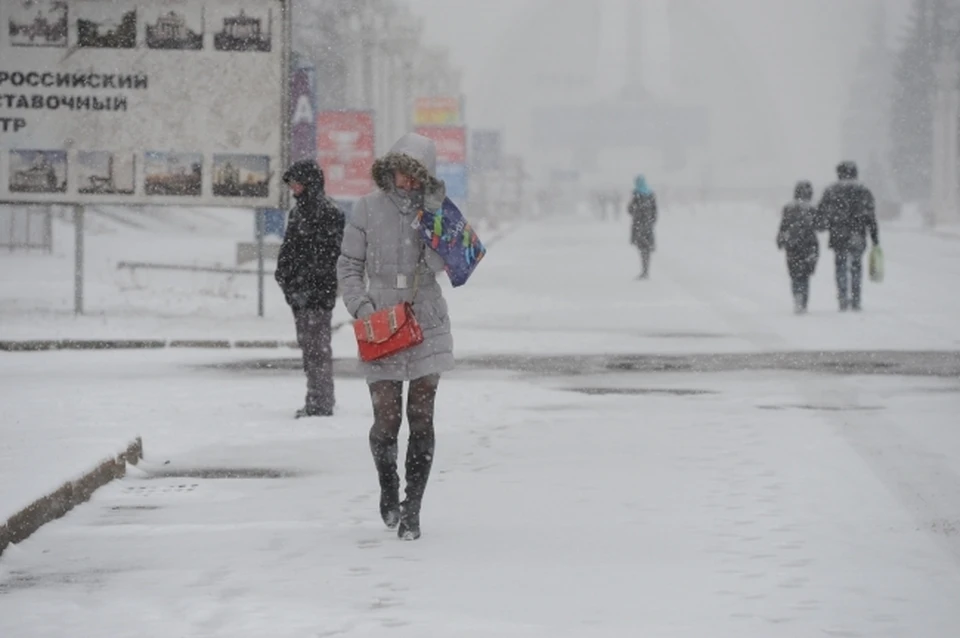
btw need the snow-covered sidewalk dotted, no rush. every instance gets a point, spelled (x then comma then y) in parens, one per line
(558, 285)
(667, 505)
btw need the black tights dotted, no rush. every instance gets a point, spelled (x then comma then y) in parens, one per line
(387, 397)
(387, 418)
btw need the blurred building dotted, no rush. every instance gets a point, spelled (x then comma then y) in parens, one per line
(703, 96)
(369, 54)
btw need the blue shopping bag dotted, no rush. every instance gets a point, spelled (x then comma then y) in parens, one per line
(449, 234)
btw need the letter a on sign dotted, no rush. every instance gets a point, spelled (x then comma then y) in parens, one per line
(304, 112)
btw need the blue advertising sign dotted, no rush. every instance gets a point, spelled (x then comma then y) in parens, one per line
(455, 177)
(274, 222)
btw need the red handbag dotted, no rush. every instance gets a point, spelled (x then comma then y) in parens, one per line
(387, 332)
(390, 330)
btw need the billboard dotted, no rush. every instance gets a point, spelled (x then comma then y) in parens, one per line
(345, 150)
(451, 142)
(436, 111)
(129, 102)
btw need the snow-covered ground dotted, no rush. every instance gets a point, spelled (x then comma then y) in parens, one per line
(561, 285)
(769, 505)
(37, 302)
(661, 504)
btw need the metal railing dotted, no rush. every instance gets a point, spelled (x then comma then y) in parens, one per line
(143, 265)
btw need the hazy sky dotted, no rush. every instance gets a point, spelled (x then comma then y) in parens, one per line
(788, 62)
(468, 26)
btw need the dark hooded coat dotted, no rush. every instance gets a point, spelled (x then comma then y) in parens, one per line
(307, 264)
(798, 233)
(848, 211)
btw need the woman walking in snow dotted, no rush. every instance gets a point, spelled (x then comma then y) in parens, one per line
(643, 213)
(798, 236)
(381, 242)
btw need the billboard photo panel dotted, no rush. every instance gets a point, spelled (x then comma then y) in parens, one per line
(241, 175)
(106, 172)
(174, 174)
(178, 29)
(247, 27)
(37, 23)
(34, 171)
(102, 25)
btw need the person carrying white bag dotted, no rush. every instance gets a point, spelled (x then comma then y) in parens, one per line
(848, 211)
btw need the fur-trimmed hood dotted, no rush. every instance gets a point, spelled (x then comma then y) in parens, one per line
(414, 155)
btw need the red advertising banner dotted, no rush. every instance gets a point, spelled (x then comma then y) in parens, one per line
(451, 142)
(345, 151)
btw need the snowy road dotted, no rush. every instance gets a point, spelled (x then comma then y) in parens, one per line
(726, 502)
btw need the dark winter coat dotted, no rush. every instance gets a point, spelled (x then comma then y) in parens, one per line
(643, 211)
(307, 264)
(798, 236)
(847, 210)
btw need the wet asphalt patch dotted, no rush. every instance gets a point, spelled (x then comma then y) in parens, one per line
(221, 473)
(943, 364)
(678, 392)
(823, 408)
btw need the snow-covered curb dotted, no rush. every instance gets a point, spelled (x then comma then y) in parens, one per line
(43, 345)
(48, 508)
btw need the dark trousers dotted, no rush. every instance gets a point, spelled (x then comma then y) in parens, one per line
(313, 335)
(645, 261)
(800, 286)
(849, 265)
(800, 266)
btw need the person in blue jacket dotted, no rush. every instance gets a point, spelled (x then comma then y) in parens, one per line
(643, 214)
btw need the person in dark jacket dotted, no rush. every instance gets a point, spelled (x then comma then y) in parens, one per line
(798, 237)
(847, 211)
(643, 214)
(307, 274)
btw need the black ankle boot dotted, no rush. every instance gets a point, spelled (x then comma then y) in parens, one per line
(385, 458)
(419, 461)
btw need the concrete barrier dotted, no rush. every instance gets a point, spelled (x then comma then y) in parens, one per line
(49, 508)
